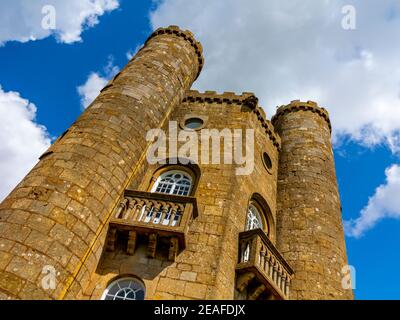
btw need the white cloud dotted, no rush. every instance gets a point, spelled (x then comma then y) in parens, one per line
(284, 50)
(95, 82)
(110, 69)
(384, 203)
(22, 139)
(131, 53)
(21, 20)
(91, 88)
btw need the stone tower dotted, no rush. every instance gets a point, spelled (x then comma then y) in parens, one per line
(309, 220)
(59, 212)
(97, 214)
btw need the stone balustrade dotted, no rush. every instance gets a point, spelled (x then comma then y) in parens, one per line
(260, 261)
(155, 215)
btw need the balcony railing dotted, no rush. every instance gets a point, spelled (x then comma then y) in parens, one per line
(262, 267)
(155, 215)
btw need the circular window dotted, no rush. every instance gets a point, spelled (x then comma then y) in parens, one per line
(267, 162)
(124, 289)
(193, 123)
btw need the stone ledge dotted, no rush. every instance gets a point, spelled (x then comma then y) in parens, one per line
(247, 99)
(188, 36)
(297, 105)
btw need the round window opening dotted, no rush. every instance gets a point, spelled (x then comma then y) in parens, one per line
(194, 123)
(267, 162)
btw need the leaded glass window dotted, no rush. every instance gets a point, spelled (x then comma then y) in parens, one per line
(254, 220)
(173, 182)
(124, 289)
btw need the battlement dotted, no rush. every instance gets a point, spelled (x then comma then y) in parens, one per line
(188, 36)
(247, 99)
(297, 105)
(214, 97)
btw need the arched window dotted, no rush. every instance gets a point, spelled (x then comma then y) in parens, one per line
(254, 219)
(124, 289)
(173, 182)
(259, 216)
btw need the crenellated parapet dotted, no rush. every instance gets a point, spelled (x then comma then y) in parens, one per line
(297, 105)
(246, 99)
(184, 34)
(214, 97)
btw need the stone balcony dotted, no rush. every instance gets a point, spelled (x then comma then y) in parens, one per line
(161, 220)
(262, 272)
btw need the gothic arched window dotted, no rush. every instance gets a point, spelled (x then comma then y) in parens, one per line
(256, 218)
(173, 182)
(124, 289)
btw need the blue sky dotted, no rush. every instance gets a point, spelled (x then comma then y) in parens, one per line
(48, 73)
(359, 172)
(281, 51)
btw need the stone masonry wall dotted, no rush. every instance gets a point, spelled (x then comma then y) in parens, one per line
(206, 268)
